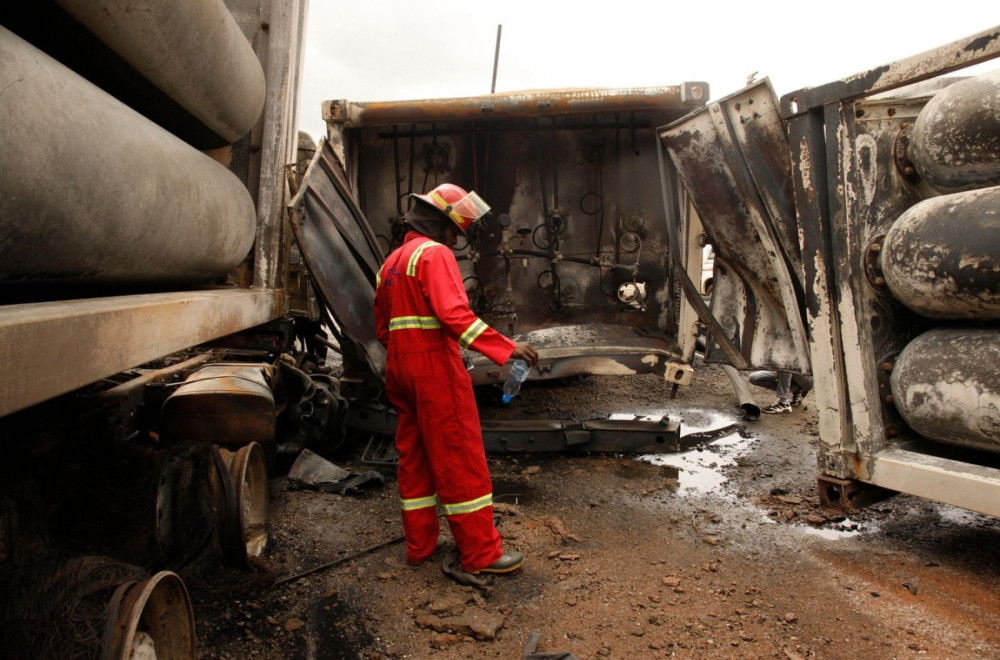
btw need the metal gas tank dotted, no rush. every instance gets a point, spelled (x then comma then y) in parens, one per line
(91, 192)
(946, 385)
(956, 137)
(941, 258)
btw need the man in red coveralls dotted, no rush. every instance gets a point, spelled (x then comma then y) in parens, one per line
(422, 316)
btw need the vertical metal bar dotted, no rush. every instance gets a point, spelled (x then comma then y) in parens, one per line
(848, 221)
(813, 209)
(496, 60)
(278, 139)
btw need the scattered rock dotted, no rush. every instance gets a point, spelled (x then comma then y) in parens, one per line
(558, 528)
(444, 640)
(471, 623)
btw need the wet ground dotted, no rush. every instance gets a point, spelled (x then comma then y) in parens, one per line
(721, 551)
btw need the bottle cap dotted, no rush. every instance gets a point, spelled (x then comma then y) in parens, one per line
(506, 398)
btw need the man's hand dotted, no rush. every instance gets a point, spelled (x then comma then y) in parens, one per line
(525, 351)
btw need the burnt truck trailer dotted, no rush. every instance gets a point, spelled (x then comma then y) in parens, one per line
(177, 264)
(879, 196)
(580, 257)
(178, 267)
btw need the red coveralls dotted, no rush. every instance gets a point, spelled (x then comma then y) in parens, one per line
(422, 315)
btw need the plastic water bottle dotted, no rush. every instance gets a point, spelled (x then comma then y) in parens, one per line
(518, 374)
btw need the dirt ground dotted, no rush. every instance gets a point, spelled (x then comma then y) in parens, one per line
(718, 552)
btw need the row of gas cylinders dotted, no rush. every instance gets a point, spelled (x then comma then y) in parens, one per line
(941, 259)
(111, 111)
(114, 589)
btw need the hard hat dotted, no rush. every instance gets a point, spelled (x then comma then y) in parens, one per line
(462, 207)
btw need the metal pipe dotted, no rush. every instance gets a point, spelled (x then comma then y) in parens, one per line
(516, 105)
(93, 192)
(744, 399)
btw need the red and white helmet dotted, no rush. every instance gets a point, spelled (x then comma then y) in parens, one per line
(462, 207)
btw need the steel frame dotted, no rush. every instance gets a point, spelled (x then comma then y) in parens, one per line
(859, 438)
(52, 348)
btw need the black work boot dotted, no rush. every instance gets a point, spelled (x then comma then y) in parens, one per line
(508, 563)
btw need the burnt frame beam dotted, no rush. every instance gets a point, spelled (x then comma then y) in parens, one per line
(958, 54)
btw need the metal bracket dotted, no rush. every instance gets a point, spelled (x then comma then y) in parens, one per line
(848, 495)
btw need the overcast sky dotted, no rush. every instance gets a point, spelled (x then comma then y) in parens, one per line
(392, 50)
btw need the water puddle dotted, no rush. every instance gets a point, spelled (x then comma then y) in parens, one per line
(844, 529)
(700, 469)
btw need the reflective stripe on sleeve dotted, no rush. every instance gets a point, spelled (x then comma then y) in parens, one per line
(411, 265)
(468, 507)
(472, 333)
(414, 322)
(419, 503)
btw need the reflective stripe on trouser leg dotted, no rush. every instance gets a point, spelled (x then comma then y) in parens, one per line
(474, 519)
(441, 448)
(416, 485)
(420, 527)
(449, 427)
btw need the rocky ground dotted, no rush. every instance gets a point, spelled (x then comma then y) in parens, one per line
(722, 551)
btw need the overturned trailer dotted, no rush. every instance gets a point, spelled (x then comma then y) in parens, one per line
(580, 256)
(169, 272)
(168, 282)
(875, 200)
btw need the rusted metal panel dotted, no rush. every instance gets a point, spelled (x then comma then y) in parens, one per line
(228, 404)
(631, 436)
(48, 349)
(813, 209)
(343, 257)
(280, 45)
(864, 192)
(735, 163)
(626, 436)
(941, 258)
(599, 349)
(517, 105)
(956, 137)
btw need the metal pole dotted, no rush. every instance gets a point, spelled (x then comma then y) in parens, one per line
(496, 60)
